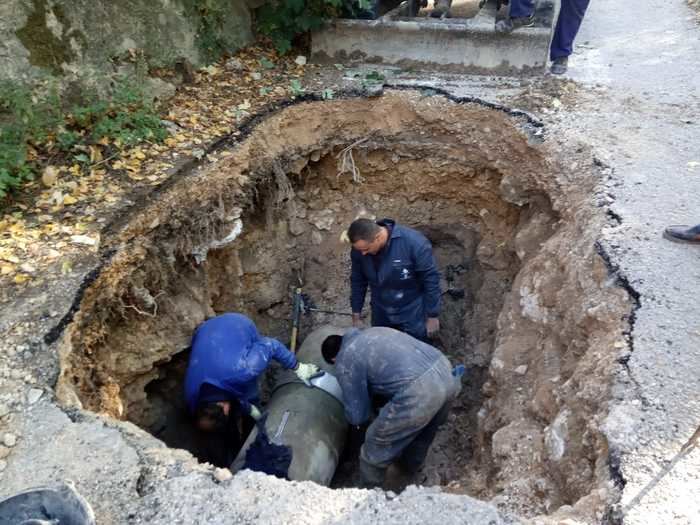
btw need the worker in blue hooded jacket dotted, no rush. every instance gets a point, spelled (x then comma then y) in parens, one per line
(228, 355)
(398, 265)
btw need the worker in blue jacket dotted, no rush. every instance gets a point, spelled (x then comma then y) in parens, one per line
(228, 355)
(416, 379)
(398, 265)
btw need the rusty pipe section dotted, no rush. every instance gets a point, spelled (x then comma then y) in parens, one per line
(308, 420)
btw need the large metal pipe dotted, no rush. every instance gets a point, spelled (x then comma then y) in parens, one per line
(308, 420)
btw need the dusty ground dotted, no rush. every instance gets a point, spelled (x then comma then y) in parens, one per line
(632, 117)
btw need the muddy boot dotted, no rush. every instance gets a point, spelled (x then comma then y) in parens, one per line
(559, 65)
(371, 475)
(441, 9)
(508, 25)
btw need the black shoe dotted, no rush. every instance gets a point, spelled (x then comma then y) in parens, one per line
(441, 9)
(683, 233)
(559, 65)
(508, 25)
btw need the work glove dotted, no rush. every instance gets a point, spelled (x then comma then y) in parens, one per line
(254, 412)
(432, 326)
(305, 371)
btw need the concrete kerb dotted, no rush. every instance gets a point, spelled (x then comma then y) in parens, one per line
(459, 45)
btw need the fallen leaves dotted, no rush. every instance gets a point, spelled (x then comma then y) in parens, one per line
(73, 200)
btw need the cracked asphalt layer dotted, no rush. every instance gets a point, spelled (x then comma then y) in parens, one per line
(648, 56)
(638, 109)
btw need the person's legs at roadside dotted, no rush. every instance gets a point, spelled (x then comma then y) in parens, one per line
(683, 233)
(571, 15)
(520, 14)
(441, 8)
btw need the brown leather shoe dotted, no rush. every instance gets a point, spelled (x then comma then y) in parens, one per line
(683, 233)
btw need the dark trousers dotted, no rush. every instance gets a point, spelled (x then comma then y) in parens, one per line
(568, 24)
(414, 455)
(413, 326)
(521, 8)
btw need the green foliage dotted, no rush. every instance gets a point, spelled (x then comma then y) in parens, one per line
(266, 63)
(283, 20)
(212, 14)
(25, 119)
(296, 87)
(35, 121)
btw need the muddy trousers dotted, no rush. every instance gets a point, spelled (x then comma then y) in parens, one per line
(408, 423)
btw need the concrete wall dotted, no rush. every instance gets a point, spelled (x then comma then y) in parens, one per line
(91, 37)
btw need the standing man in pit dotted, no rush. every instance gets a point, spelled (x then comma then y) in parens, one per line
(221, 382)
(416, 378)
(398, 265)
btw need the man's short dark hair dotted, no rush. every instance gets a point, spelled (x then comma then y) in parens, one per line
(331, 347)
(213, 413)
(363, 230)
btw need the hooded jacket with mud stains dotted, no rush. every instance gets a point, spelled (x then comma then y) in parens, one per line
(382, 362)
(228, 355)
(403, 278)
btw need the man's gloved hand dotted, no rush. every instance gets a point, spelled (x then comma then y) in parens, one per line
(254, 412)
(432, 326)
(305, 370)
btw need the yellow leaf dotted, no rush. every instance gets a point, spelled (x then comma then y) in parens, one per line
(138, 154)
(75, 169)
(66, 267)
(49, 176)
(118, 165)
(68, 199)
(7, 269)
(171, 142)
(95, 154)
(21, 278)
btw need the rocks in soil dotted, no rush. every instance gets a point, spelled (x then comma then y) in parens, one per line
(9, 440)
(222, 474)
(34, 395)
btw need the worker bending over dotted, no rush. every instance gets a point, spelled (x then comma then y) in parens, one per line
(221, 383)
(416, 378)
(397, 262)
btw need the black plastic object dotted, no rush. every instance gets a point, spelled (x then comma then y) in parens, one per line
(266, 456)
(60, 505)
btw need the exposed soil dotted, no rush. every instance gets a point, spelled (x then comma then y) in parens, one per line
(511, 229)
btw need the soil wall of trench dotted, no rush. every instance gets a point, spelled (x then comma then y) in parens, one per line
(539, 322)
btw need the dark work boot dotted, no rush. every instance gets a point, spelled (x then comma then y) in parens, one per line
(371, 475)
(683, 233)
(559, 65)
(508, 25)
(441, 9)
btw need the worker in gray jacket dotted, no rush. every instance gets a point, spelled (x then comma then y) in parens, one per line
(416, 378)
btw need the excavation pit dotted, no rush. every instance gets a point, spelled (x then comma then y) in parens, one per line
(529, 304)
